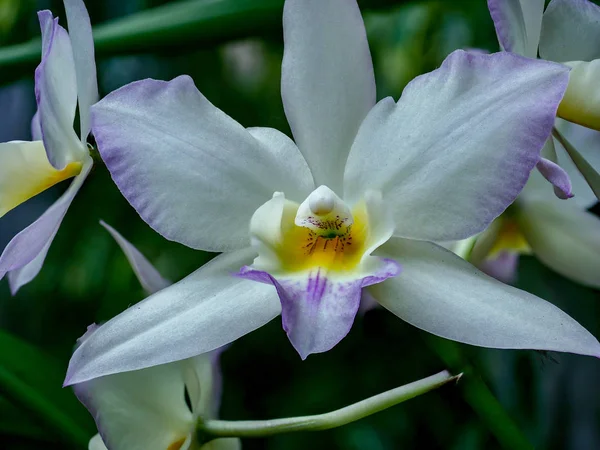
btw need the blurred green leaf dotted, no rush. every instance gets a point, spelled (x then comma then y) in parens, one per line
(15, 421)
(477, 394)
(33, 380)
(179, 25)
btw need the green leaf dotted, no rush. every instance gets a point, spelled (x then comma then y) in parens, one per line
(32, 381)
(179, 25)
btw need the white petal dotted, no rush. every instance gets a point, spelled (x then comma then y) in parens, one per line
(192, 172)
(327, 82)
(56, 94)
(570, 31)
(581, 103)
(459, 145)
(518, 24)
(444, 295)
(140, 410)
(150, 279)
(96, 443)
(80, 32)
(564, 237)
(202, 312)
(25, 172)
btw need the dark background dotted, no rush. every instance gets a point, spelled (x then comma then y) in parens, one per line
(506, 397)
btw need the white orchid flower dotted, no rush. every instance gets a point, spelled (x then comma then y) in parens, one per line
(567, 32)
(562, 234)
(306, 226)
(66, 75)
(147, 409)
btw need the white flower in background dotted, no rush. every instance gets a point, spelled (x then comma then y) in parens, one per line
(148, 409)
(562, 234)
(66, 75)
(306, 226)
(567, 32)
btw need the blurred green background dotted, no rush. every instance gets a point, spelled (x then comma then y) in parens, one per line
(507, 400)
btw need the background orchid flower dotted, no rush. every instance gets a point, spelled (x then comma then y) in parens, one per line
(562, 234)
(567, 32)
(66, 76)
(350, 204)
(147, 409)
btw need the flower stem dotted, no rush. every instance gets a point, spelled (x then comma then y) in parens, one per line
(343, 416)
(589, 173)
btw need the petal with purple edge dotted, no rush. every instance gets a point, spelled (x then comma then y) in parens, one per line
(150, 279)
(319, 307)
(570, 31)
(557, 176)
(204, 311)
(445, 295)
(193, 173)
(459, 145)
(25, 253)
(56, 94)
(327, 81)
(80, 32)
(518, 24)
(503, 266)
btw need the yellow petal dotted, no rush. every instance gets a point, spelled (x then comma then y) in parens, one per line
(25, 172)
(581, 103)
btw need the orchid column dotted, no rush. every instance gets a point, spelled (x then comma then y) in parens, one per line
(349, 207)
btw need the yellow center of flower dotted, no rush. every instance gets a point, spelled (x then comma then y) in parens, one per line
(510, 238)
(177, 444)
(25, 172)
(334, 242)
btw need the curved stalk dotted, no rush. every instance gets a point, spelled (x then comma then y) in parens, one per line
(260, 428)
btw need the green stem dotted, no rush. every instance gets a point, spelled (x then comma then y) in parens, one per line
(343, 416)
(590, 174)
(480, 398)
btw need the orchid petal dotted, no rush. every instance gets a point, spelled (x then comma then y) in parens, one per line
(56, 94)
(459, 145)
(96, 443)
(25, 253)
(36, 128)
(327, 82)
(444, 295)
(25, 172)
(587, 143)
(140, 410)
(202, 312)
(150, 279)
(570, 31)
(319, 307)
(564, 237)
(581, 103)
(518, 24)
(503, 267)
(557, 176)
(80, 32)
(192, 172)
